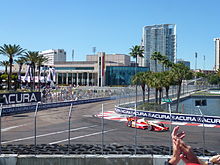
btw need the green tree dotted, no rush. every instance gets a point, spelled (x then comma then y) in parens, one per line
(156, 82)
(214, 79)
(20, 61)
(140, 79)
(156, 56)
(148, 83)
(136, 51)
(167, 81)
(11, 51)
(31, 58)
(179, 72)
(5, 64)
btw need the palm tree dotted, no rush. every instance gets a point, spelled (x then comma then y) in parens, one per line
(5, 64)
(140, 79)
(136, 51)
(20, 61)
(41, 59)
(148, 82)
(168, 81)
(11, 51)
(156, 56)
(31, 58)
(179, 72)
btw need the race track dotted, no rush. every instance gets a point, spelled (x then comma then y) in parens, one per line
(52, 128)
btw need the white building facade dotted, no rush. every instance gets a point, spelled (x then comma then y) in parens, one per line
(54, 55)
(158, 38)
(217, 53)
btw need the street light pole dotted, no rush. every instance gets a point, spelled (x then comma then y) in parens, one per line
(195, 69)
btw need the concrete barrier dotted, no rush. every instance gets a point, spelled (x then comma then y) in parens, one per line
(8, 159)
(84, 160)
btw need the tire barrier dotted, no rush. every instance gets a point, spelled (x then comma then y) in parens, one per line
(88, 149)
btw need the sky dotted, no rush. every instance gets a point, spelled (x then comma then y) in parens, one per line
(112, 26)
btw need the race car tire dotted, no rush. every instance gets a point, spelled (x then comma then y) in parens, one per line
(161, 124)
(150, 128)
(129, 123)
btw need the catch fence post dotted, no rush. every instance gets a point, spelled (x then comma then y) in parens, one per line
(102, 128)
(69, 118)
(1, 129)
(35, 128)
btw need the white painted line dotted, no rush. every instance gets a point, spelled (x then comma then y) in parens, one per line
(9, 128)
(178, 123)
(48, 134)
(78, 137)
(206, 125)
(123, 119)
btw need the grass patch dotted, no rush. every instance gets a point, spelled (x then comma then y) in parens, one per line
(152, 107)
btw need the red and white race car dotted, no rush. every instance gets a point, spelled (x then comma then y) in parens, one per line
(141, 123)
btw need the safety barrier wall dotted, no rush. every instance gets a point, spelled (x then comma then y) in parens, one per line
(84, 159)
(24, 109)
(166, 116)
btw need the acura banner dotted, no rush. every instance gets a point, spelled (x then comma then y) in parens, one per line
(17, 98)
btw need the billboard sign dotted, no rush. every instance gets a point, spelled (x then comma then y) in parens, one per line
(20, 97)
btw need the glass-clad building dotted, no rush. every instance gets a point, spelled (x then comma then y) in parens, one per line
(158, 38)
(121, 75)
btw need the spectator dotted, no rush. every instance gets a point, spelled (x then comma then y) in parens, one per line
(185, 152)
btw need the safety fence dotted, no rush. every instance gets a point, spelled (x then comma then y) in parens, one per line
(82, 129)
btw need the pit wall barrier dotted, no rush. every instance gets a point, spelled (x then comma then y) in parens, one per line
(30, 108)
(85, 159)
(166, 116)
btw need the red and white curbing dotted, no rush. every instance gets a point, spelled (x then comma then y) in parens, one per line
(112, 115)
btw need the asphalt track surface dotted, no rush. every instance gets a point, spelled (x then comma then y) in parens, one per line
(52, 128)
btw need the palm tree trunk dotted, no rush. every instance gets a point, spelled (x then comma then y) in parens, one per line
(143, 90)
(6, 69)
(34, 77)
(19, 76)
(10, 73)
(167, 92)
(156, 95)
(178, 96)
(160, 95)
(148, 94)
(39, 76)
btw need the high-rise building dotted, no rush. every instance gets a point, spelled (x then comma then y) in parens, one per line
(217, 53)
(158, 38)
(54, 55)
(186, 63)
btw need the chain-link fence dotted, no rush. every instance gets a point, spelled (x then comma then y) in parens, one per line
(95, 129)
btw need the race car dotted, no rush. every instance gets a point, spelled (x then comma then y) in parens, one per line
(141, 123)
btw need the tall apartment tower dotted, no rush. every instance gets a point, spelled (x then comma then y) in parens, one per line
(217, 53)
(54, 55)
(158, 38)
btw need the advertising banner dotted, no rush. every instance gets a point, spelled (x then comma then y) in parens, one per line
(174, 117)
(21, 97)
